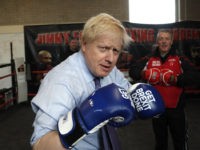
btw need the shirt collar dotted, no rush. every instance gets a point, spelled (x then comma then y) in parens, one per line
(85, 70)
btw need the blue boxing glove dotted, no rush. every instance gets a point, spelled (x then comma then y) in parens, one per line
(147, 100)
(109, 104)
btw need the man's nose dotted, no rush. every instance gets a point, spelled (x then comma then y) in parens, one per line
(110, 55)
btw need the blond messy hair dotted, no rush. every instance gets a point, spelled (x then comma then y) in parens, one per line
(101, 23)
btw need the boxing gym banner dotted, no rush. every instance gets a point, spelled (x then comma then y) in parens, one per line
(48, 45)
(186, 38)
(45, 47)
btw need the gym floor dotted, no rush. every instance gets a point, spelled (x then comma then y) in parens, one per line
(16, 129)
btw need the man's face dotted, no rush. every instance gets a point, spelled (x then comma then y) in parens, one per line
(101, 55)
(164, 42)
(73, 44)
(45, 58)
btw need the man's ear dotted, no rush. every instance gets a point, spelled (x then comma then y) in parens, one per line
(83, 46)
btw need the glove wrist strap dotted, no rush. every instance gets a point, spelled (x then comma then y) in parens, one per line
(76, 134)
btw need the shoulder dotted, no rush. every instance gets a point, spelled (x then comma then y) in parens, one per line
(184, 60)
(119, 77)
(143, 59)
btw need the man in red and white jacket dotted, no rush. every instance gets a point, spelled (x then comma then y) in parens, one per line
(170, 74)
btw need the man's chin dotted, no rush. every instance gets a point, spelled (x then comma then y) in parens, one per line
(104, 74)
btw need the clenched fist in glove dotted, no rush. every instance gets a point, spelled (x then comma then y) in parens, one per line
(168, 77)
(152, 75)
(147, 100)
(109, 104)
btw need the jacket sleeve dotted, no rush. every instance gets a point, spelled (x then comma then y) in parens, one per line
(190, 76)
(135, 71)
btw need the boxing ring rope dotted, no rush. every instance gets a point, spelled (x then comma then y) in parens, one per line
(7, 76)
(188, 90)
(124, 71)
(8, 95)
(37, 72)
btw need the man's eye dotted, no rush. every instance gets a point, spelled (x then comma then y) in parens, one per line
(102, 48)
(106, 48)
(116, 51)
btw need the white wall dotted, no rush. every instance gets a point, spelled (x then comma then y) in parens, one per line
(15, 35)
(17, 40)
